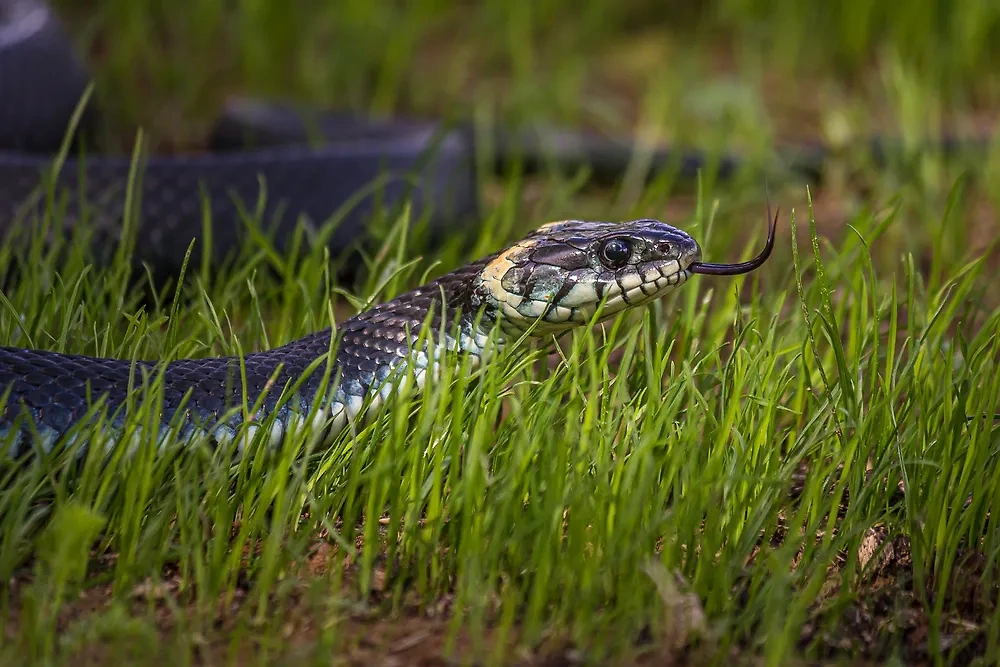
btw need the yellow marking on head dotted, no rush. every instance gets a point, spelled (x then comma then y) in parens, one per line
(494, 272)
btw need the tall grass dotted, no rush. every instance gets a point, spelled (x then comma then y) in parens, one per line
(706, 471)
(585, 500)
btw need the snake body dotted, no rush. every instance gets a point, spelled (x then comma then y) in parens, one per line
(554, 279)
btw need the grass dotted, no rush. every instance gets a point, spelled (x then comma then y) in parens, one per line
(704, 478)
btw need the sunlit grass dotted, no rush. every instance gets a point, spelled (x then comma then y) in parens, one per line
(703, 471)
(659, 452)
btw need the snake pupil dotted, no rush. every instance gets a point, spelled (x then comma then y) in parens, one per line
(616, 252)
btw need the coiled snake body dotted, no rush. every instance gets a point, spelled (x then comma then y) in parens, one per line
(551, 281)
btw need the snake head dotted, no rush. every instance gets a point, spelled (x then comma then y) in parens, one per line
(559, 276)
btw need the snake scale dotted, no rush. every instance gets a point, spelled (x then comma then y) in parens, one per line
(556, 278)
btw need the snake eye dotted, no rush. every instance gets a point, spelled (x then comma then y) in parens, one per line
(615, 253)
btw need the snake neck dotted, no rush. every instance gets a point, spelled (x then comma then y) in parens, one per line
(449, 313)
(406, 338)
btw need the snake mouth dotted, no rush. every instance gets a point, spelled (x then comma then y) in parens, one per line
(706, 268)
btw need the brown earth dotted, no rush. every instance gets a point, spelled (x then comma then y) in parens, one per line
(887, 616)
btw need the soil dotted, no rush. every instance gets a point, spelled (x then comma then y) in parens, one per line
(888, 617)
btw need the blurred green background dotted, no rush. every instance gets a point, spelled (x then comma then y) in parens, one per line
(785, 68)
(739, 75)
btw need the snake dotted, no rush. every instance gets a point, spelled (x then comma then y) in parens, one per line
(561, 276)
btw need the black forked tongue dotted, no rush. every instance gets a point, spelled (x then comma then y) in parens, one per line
(706, 268)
